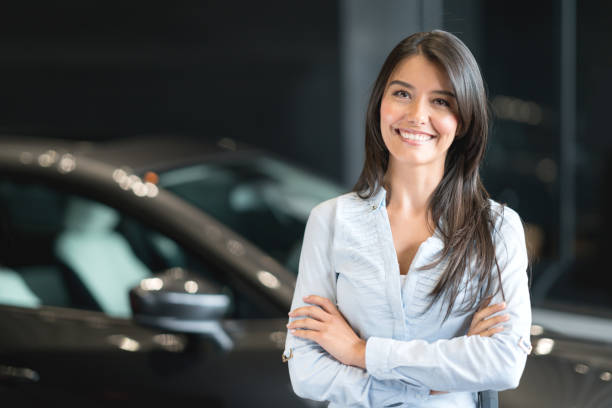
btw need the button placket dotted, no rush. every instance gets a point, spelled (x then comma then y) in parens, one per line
(392, 277)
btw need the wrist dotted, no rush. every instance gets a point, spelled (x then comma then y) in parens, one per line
(359, 352)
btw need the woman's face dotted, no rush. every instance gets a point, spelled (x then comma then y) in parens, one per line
(418, 113)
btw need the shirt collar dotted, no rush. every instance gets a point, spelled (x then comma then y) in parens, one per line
(378, 199)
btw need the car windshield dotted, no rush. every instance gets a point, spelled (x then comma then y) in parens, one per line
(264, 199)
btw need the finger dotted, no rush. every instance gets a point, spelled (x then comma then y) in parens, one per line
(311, 311)
(325, 303)
(488, 311)
(306, 323)
(305, 334)
(488, 323)
(491, 331)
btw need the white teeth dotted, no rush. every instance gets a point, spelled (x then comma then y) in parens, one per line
(419, 137)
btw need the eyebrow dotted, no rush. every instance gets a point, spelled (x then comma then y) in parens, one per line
(407, 85)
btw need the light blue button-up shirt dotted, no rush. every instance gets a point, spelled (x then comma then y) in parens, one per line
(348, 256)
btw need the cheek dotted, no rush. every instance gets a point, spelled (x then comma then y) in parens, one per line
(447, 125)
(388, 115)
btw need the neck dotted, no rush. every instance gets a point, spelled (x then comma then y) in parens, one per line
(412, 186)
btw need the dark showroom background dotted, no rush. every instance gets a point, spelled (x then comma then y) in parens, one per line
(293, 78)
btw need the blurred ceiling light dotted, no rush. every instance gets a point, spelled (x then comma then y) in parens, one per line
(605, 376)
(536, 330)
(120, 175)
(19, 372)
(581, 368)
(152, 190)
(546, 170)
(267, 279)
(123, 342)
(139, 188)
(191, 286)
(544, 346)
(48, 158)
(151, 284)
(170, 342)
(66, 164)
(517, 110)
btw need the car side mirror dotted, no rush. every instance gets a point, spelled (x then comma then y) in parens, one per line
(179, 301)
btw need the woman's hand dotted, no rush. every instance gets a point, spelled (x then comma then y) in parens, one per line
(328, 328)
(486, 326)
(483, 325)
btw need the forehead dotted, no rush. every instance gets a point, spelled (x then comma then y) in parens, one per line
(420, 72)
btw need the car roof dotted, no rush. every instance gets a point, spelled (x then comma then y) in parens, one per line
(141, 152)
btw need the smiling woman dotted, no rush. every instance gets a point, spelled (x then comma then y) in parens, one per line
(358, 334)
(418, 118)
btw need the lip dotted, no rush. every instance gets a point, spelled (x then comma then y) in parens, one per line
(414, 131)
(399, 132)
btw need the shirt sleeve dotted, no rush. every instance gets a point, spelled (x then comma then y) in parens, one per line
(470, 363)
(314, 373)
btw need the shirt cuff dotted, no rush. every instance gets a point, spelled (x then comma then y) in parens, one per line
(377, 354)
(378, 350)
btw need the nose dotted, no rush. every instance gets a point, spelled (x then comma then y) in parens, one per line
(417, 112)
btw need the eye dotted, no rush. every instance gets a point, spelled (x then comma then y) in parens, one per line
(401, 94)
(441, 102)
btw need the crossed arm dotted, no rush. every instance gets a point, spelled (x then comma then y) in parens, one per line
(327, 327)
(330, 362)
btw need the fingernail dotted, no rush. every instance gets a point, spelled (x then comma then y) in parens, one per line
(503, 304)
(288, 324)
(292, 331)
(305, 297)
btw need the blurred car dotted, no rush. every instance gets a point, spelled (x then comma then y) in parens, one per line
(159, 270)
(571, 361)
(149, 270)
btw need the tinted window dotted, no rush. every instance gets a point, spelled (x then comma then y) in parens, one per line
(68, 251)
(265, 200)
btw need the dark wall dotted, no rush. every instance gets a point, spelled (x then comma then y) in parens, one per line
(264, 73)
(530, 165)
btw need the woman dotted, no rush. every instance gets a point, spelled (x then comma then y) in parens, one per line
(402, 282)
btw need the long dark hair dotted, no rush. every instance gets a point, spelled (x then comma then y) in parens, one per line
(460, 205)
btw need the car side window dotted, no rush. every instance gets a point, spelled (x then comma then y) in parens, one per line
(64, 250)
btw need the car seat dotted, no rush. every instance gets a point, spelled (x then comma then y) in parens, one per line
(101, 257)
(14, 291)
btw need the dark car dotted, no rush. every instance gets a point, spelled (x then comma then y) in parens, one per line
(148, 270)
(160, 271)
(571, 362)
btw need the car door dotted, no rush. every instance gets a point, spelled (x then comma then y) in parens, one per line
(67, 334)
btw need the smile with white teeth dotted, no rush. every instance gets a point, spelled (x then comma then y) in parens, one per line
(417, 137)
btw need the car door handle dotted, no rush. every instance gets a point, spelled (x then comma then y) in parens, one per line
(18, 375)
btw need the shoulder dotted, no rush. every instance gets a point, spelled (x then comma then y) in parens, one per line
(507, 224)
(344, 204)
